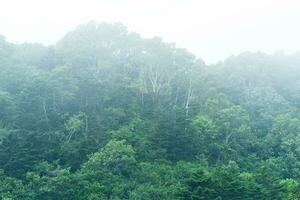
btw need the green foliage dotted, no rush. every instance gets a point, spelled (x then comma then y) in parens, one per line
(12, 188)
(106, 114)
(115, 156)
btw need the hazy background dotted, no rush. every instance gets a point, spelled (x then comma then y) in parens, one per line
(211, 29)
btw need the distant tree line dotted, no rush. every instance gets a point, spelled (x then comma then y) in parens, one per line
(106, 114)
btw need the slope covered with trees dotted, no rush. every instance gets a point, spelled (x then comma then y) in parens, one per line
(106, 114)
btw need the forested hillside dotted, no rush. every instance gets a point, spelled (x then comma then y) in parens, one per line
(106, 114)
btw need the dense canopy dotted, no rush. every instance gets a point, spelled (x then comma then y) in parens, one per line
(106, 114)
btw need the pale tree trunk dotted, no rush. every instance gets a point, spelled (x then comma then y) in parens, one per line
(155, 85)
(45, 112)
(188, 98)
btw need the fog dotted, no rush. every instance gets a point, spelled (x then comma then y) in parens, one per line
(212, 30)
(143, 100)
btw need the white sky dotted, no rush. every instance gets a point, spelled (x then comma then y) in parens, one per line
(211, 29)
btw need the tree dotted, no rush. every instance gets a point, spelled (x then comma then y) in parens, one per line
(116, 156)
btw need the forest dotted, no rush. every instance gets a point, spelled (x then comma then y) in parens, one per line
(105, 114)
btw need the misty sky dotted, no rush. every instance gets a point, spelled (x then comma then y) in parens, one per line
(211, 29)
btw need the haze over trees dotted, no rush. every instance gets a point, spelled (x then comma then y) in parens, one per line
(106, 114)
